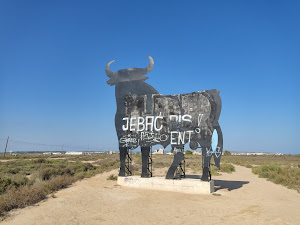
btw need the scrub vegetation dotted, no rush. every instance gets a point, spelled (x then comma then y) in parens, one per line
(280, 169)
(192, 162)
(28, 179)
(285, 175)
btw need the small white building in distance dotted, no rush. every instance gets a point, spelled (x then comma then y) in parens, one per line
(52, 153)
(47, 153)
(112, 152)
(74, 153)
(158, 151)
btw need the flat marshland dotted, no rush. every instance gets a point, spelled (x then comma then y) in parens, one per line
(31, 179)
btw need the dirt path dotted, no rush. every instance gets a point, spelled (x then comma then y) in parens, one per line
(245, 199)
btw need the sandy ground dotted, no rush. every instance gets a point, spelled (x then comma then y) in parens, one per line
(244, 199)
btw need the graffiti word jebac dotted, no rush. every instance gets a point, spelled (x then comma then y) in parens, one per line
(150, 123)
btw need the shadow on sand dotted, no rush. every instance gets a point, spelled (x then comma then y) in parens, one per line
(193, 176)
(229, 184)
(222, 184)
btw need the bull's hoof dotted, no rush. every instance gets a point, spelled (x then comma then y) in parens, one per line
(204, 178)
(122, 174)
(171, 172)
(205, 174)
(169, 177)
(145, 175)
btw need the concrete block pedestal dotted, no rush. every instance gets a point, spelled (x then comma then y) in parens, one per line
(185, 185)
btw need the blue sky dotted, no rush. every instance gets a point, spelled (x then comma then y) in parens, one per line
(53, 54)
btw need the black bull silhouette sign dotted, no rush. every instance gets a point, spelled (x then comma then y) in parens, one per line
(146, 118)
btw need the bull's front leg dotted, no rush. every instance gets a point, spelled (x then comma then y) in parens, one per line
(123, 153)
(206, 157)
(178, 157)
(145, 159)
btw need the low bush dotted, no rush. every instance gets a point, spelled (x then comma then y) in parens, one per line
(40, 160)
(214, 171)
(227, 167)
(6, 183)
(266, 171)
(112, 177)
(21, 197)
(226, 153)
(59, 182)
(109, 165)
(188, 152)
(287, 176)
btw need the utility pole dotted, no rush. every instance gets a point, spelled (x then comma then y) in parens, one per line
(6, 146)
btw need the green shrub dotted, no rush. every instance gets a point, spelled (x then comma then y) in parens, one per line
(265, 171)
(188, 152)
(228, 168)
(79, 176)
(214, 171)
(19, 179)
(226, 153)
(112, 177)
(39, 161)
(5, 183)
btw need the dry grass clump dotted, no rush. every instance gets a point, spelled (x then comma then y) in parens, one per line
(162, 161)
(227, 168)
(112, 177)
(193, 162)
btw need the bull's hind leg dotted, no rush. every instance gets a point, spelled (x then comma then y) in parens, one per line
(123, 153)
(145, 157)
(178, 157)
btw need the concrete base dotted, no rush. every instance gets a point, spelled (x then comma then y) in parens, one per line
(186, 185)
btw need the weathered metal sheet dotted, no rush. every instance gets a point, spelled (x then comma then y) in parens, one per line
(173, 119)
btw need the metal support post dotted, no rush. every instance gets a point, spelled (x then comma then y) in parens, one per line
(6, 146)
(149, 165)
(128, 164)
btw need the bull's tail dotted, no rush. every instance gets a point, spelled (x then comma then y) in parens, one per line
(219, 149)
(217, 111)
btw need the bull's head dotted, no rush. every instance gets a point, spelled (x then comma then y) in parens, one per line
(128, 74)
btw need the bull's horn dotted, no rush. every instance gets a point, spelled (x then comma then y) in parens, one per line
(107, 70)
(150, 66)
